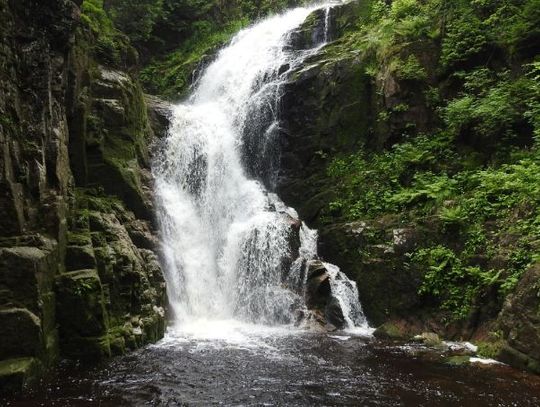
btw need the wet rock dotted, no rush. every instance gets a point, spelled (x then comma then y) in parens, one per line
(334, 313)
(327, 24)
(142, 235)
(20, 334)
(320, 112)
(404, 239)
(318, 285)
(429, 339)
(81, 307)
(320, 296)
(18, 373)
(520, 323)
(70, 128)
(159, 114)
(390, 330)
(458, 360)
(311, 33)
(80, 257)
(377, 268)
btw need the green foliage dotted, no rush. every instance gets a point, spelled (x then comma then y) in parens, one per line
(454, 284)
(491, 349)
(136, 19)
(492, 107)
(373, 184)
(532, 112)
(465, 38)
(409, 69)
(203, 26)
(172, 75)
(111, 44)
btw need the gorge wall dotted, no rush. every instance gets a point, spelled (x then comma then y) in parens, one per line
(79, 269)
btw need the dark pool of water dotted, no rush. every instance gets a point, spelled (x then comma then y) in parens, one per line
(279, 369)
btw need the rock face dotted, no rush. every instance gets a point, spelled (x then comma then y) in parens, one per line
(79, 269)
(376, 268)
(520, 323)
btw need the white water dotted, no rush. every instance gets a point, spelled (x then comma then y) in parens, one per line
(226, 240)
(326, 23)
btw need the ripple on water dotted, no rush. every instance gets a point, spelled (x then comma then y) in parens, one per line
(251, 365)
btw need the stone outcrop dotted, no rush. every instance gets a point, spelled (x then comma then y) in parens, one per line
(79, 269)
(320, 298)
(520, 323)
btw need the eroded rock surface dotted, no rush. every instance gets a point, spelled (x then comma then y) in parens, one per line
(79, 269)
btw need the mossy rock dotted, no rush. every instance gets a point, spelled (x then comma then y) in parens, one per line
(391, 330)
(458, 361)
(21, 333)
(81, 304)
(87, 348)
(430, 339)
(18, 374)
(490, 349)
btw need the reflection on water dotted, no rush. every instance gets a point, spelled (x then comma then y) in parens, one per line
(239, 365)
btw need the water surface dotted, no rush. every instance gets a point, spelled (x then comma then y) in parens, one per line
(254, 366)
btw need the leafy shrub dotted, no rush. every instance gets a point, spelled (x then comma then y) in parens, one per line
(465, 38)
(409, 69)
(136, 19)
(446, 278)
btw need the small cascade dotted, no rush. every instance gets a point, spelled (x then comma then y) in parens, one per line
(234, 250)
(326, 24)
(345, 293)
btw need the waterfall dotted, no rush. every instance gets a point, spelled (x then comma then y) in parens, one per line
(228, 242)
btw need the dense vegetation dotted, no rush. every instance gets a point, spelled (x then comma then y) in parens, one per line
(474, 170)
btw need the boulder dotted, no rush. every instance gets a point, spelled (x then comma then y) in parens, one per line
(21, 333)
(320, 295)
(376, 268)
(81, 305)
(18, 373)
(159, 114)
(318, 285)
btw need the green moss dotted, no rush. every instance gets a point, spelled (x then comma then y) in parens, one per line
(111, 46)
(458, 360)
(409, 69)
(390, 330)
(81, 310)
(490, 350)
(19, 374)
(79, 238)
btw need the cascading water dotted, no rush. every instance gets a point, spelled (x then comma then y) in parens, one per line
(326, 23)
(228, 242)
